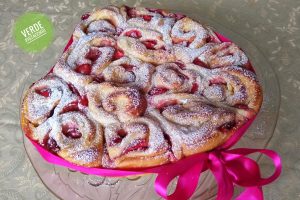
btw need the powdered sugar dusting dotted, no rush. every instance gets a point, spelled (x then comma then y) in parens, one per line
(40, 107)
(141, 87)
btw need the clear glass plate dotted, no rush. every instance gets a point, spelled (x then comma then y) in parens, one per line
(67, 184)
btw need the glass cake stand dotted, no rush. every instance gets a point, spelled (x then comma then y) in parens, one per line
(72, 185)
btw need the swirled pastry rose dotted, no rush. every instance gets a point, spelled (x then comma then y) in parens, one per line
(140, 87)
(53, 117)
(138, 140)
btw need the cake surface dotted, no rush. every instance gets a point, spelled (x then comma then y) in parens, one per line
(140, 87)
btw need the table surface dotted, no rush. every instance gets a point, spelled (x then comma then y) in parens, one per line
(272, 25)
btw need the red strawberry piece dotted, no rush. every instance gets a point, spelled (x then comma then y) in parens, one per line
(73, 89)
(98, 79)
(71, 130)
(51, 144)
(116, 140)
(150, 44)
(45, 92)
(217, 81)
(147, 17)
(122, 133)
(85, 16)
(69, 43)
(118, 54)
(159, 11)
(137, 146)
(180, 64)
(179, 16)
(133, 34)
(84, 69)
(131, 12)
(93, 54)
(84, 101)
(51, 71)
(249, 66)
(182, 76)
(194, 88)
(166, 103)
(73, 106)
(199, 62)
(127, 67)
(157, 91)
(209, 39)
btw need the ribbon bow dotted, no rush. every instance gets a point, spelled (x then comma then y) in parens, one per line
(229, 167)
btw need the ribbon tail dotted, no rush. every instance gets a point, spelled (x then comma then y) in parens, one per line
(225, 185)
(251, 193)
(186, 185)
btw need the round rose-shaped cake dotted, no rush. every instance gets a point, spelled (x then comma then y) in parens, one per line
(140, 87)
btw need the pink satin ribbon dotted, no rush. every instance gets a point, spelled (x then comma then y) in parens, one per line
(230, 168)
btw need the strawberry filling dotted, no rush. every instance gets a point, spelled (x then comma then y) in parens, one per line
(133, 34)
(155, 10)
(249, 66)
(149, 44)
(209, 39)
(217, 81)
(131, 12)
(120, 135)
(197, 61)
(85, 69)
(157, 91)
(85, 16)
(116, 140)
(51, 144)
(71, 130)
(84, 100)
(194, 88)
(69, 43)
(73, 89)
(51, 71)
(182, 76)
(93, 54)
(162, 105)
(138, 145)
(147, 17)
(45, 92)
(180, 64)
(118, 54)
(73, 106)
(127, 67)
(179, 16)
(98, 79)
